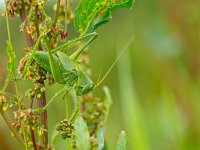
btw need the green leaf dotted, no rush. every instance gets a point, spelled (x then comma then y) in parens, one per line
(54, 139)
(89, 15)
(11, 55)
(82, 136)
(107, 102)
(100, 139)
(122, 141)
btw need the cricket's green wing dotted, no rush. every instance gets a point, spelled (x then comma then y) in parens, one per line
(66, 62)
(42, 59)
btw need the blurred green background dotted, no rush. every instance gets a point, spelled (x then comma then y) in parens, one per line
(155, 86)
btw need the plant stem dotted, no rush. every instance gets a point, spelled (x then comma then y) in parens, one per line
(31, 102)
(16, 87)
(11, 127)
(28, 38)
(67, 4)
(67, 117)
(43, 119)
(57, 13)
(54, 97)
(31, 130)
(66, 106)
(22, 122)
(76, 111)
(33, 139)
(7, 22)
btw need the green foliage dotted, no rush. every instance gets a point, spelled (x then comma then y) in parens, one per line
(11, 55)
(89, 15)
(82, 136)
(46, 58)
(122, 141)
(107, 101)
(100, 139)
(54, 139)
(136, 126)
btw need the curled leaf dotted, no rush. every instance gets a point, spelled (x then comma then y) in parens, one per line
(100, 139)
(122, 141)
(107, 101)
(89, 15)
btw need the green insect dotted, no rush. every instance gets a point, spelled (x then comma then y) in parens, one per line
(64, 69)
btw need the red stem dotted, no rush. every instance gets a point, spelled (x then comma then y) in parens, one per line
(31, 130)
(41, 101)
(33, 139)
(43, 118)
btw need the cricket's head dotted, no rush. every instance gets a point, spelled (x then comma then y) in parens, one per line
(87, 89)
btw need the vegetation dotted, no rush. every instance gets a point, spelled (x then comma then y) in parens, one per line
(47, 62)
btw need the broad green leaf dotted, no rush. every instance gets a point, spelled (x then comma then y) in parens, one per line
(100, 139)
(107, 102)
(82, 136)
(89, 15)
(11, 55)
(105, 15)
(122, 141)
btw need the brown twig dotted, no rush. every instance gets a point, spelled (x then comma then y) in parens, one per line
(31, 130)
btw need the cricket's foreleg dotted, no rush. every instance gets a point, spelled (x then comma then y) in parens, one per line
(28, 63)
(66, 88)
(75, 55)
(55, 69)
(73, 42)
(76, 100)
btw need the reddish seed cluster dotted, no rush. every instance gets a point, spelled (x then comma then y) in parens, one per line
(63, 35)
(13, 7)
(29, 118)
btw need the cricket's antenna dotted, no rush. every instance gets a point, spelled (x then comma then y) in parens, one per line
(125, 48)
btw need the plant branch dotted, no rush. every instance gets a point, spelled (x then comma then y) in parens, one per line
(11, 127)
(57, 13)
(33, 139)
(43, 118)
(67, 4)
(31, 130)
(16, 89)
(28, 38)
